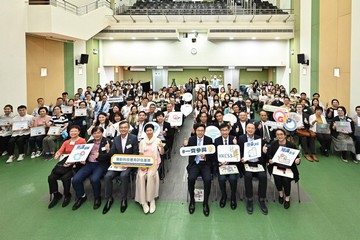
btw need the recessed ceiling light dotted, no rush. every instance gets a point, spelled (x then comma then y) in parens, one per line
(231, 38)
(193, 31)
(133, 38)
(253, 38)
(277, 38)
(111, 38)
(156, 38)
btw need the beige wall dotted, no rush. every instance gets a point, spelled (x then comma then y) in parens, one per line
(335, 45)
(44, 53)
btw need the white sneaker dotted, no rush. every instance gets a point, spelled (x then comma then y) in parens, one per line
(38, 154)
(152, 206)
(358, 157)
(145, 208)
(21, 157)
(10, 159)
(4, 153)
(32, 155)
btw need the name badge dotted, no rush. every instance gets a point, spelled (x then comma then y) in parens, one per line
(128, 146)
(103, 149)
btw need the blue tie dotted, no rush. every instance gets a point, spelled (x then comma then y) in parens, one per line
(197, 158)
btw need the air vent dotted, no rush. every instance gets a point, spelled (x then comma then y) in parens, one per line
(138, 31)
(251, 30)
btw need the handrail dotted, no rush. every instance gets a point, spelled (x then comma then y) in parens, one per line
(69, 7)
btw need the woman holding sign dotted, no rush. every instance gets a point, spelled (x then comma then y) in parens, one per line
(342, 130)
(283, 183)
(43, 120)
(147, 179)
(63, 170)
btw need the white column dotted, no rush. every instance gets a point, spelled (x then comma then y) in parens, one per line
(159, 79)
(355, 61)
(79, 70)
(13, 54)
(232, 76)
(305, 45)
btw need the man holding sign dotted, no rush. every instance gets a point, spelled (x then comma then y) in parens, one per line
(199, 165)
(124, 144)
(255, 159)
(226, 139)
(95, 167)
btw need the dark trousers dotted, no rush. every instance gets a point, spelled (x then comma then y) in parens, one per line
(232, 178)
(94, 172)
(20, 142)
(4, 143)
(36, 141)
(124, 178)
(308, 144)
(357, 144)
(283, 183)
(204, 171)
(249, 186)
(325, 140)
(65, 178)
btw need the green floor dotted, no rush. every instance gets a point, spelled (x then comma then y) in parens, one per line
(331, 211)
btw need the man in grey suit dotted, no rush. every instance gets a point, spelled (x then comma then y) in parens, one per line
(124, 144)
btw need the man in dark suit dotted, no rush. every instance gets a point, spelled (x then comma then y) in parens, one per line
(250, 136)
(95, 167)
(139, 127)
(199, 165)
(219, 119)
(124, 144)
(239, 127)
(226, 139)
(248, 110)
(265, 132)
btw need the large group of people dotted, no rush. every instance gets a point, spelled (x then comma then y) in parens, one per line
(120, 118)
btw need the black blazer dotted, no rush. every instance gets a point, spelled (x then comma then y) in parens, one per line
(103, 158)
(241, 130)
(131, 146)
(169, 138)
(241, 142)
(208, 159)
(135, 130)
(272, 150)
(252, 112)
(260, 131)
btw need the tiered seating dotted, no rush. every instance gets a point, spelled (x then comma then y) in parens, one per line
(167, 7)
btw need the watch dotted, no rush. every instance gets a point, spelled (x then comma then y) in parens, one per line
(193, 51)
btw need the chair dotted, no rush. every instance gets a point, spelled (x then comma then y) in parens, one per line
(199, 178)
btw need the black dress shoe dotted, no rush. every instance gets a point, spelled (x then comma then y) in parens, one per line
(123, 206)
(233, 203)
(206, 210)
(79, 202)
(97, 203)
(192, 207)
(223, 201)
(263, 207)
(281, 200)
(66, 201)
(286, 204)
(57, 197)
(249, 207)
(108, 205)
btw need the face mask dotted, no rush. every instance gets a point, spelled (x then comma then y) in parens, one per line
(136, 99)
(227, 98)
(240, 99)
(97, 99)
(177, 100)
(230, 105)
(216, 104)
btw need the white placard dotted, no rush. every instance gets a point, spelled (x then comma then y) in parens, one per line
(66, 109)
(198, 195)
(37, 131)
(198, 86)
(54, 131)
(187, 97)
(80, 112)
(115, 100)
(228, 169)
(212, 132)
(286, 172)
(285, 156)
(271, 108)
(274, 125)
(197, 150)
(175, 118)
(186, 109)
(20, 125)
(5, 122)
(252, 149)
(121, 161)
(228, 153)
(80, 153)
(257, 168)
(229, 117)
(343, 126)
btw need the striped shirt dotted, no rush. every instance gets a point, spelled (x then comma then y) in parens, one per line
(59, 121)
